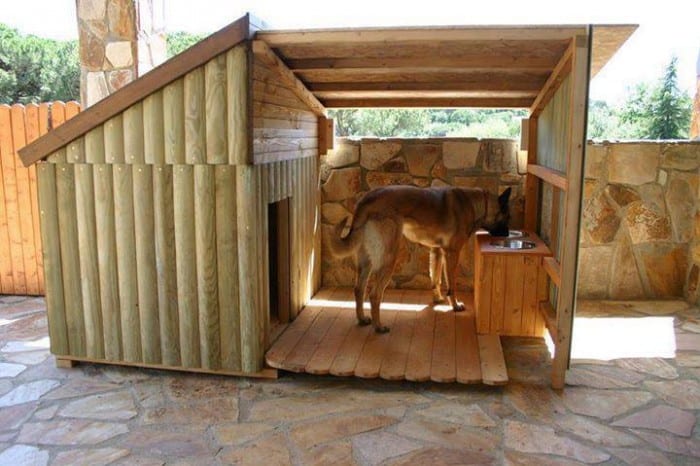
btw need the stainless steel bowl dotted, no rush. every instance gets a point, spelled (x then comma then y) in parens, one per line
(513, 244)
(517, 234)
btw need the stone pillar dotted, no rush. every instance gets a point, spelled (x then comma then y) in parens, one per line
(119, 41)
(695, 119)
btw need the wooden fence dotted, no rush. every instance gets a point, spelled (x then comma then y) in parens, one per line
(21, 262)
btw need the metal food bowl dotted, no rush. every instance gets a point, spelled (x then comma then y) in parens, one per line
(517, 234)
(513, 244)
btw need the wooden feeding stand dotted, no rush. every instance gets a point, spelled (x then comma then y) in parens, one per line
(180, 215)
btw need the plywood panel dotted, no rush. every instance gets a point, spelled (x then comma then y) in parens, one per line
(513, 303)
(498, 294)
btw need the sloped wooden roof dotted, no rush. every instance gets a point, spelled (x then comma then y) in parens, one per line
(469, 66)
(491, 66)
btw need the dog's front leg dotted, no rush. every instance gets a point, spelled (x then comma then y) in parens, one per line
(452, 264)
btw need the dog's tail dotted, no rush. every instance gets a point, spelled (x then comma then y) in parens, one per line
(342, 247)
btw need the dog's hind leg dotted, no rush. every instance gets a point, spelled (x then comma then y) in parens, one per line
(376, 294)
(363, 269)
(437, 264)
(452, 264)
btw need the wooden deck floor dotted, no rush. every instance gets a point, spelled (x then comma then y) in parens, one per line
(425, 342)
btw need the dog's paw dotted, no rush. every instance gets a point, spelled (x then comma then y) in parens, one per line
(383, 329)
(458, 307)
(364, 321)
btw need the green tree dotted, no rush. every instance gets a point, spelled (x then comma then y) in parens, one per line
(660, 111)
(178, 42)
(33, 69)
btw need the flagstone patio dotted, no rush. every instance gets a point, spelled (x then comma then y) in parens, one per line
(632, 410)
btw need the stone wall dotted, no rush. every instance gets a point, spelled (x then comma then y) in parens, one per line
(640, 232)
(119, 41)
(356, 166)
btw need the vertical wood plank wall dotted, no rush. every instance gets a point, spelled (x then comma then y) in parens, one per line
(21, 260)
(155, 225)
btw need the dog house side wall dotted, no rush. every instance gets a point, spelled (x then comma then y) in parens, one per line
(145, 239)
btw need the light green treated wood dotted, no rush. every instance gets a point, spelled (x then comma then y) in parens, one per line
(48, 209)
(165, 264)
(133, 134)
(238, 111)
(146, 262)
(89, 273)
(95, 145)
(126, 262)
(207, 285)
(107, 261)
(183, 187)
(195, 118)
(174, 122)
(114, 140)
(248, 264)
(153, 129)
(215, 89)
(263, 281)
(75, 151)
(227, 266)
(70, 258)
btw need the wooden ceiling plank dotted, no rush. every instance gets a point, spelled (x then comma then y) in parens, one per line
(428, 103)
(491, 61)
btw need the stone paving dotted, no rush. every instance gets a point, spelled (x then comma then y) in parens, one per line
(637, 411)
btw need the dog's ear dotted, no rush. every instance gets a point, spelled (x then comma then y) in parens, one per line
(503, 200)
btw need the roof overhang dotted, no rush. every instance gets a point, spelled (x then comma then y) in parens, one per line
(465, 66)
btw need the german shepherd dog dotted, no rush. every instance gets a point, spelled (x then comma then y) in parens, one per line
(442, 219)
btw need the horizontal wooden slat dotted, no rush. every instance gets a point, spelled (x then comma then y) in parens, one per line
(411, 75)
(263, 52)
(267, 110)
(332, 95)
(284, 144)
(548, 175)
(419, 34)
(267, 157)
(137, 90)
(428, 103)
(551, 266)
(480, 82)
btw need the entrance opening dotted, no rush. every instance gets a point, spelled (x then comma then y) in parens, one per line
(279, 274)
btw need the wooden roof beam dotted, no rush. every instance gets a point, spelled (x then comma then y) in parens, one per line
(561, 71)
(486, 61)
(429, 103)
(493, 84)
(419, 34)
(263, 52)
(392, 94)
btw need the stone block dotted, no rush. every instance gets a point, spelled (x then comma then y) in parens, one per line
(625, 281)
(460, 155)
(373, 154)
(395, 165)
(421, 157)
(343, 155)
(333, 212)
(666, 267)
(121, 18)
(92, 50)
(119, 54)
(95, 88)
(500, 156)
(594, 268)
(633, 164)
(119, 78)
(379, 179)
(681, 156)
(596, 158)
(342, 184)
(681, 209)
(622, 195)
(92, 9)
(439, 170)
(489, 183)
(600, 220)
(645, 224)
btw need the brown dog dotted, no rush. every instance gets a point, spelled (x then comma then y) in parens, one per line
(439, 218)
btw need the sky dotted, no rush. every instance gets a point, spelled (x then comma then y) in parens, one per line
(667, 28)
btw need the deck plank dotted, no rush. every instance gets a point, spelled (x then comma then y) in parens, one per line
(443, 368)
(298, 358)
(467, 348)
(420, 354)
(493, 368)
(394, 362)
(370, 361)
(349, 352)
(321, 360)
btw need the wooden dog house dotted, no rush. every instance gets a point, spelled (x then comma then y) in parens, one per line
(180, 215)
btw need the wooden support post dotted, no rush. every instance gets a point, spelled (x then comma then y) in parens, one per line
(532, 183)
(566, 298)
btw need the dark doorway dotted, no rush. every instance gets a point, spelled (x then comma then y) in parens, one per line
(279, 262)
